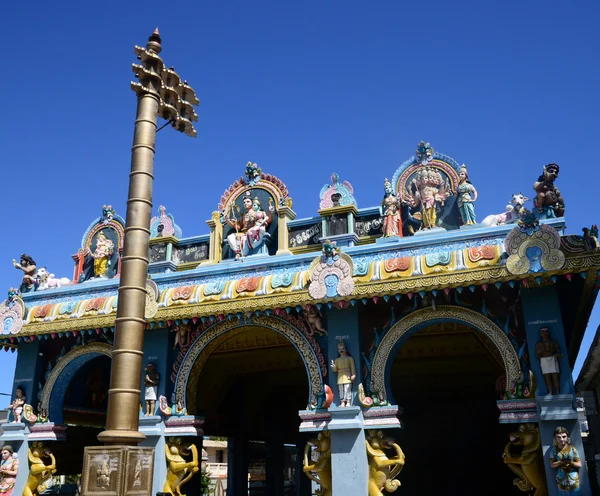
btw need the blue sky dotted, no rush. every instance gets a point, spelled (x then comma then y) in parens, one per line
(301, 88)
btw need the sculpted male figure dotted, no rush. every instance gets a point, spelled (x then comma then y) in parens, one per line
(344, 366)
(548, 351)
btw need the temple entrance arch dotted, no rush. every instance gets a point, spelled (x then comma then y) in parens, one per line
(202, 348)
(415, 321)
(58, 381)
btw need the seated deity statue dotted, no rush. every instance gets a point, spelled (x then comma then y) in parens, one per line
(250, 230)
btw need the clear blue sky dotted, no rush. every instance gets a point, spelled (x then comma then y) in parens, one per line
(302, 88)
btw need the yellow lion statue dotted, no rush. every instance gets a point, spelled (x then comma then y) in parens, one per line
(39, 472)
(319, 471)
(528, 464)
(383, 470)
(179, 471)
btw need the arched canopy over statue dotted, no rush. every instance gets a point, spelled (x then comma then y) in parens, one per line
(100, 254)
(248, 211)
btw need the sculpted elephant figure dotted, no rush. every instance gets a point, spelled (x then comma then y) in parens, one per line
(39, 472)
(179, 471)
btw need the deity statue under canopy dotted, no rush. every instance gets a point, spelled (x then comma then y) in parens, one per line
(428, 192)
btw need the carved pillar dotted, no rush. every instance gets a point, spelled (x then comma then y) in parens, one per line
(216, 238)
(541, 309)
(285, 214)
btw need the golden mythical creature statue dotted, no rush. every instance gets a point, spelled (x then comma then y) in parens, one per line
(39, 472)
(383, 470)
(528, 464)
(320, 471)
(179, 471)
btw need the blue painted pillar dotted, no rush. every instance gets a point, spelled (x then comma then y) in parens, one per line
(343, 325)
(15, 435)
(541, 309)
(26, 372)
(349, 464)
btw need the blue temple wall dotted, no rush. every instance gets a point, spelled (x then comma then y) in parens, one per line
(27, 370)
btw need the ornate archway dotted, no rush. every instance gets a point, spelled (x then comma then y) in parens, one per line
(209, 340)
(59, 379)
(421, 318)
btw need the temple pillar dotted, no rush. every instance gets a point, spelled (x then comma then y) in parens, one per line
(15, 435)
(237, 466)
(285, 214)
(541, 309)
(27, 372)
(349, 464)
(303, 483)
(275, 463)
(156, 348)
(216, 238)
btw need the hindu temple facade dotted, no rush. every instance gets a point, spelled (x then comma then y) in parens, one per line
(414, 347)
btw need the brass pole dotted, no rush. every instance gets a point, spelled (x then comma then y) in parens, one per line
(126, 371)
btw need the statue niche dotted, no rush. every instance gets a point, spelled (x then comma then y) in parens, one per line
(250, 225)
(99, 257)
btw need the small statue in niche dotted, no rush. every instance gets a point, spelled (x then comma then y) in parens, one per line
(314, 319)
(548, 202)
(108, 214)
(151, 382)
(17, 405)
(335, 198)
(27, 265)
(565, 458)
(391, 211)
(466, 195)
(39, 472)
(346, 373)
(548, 351)
(320, 470)
(250, 230)
(179, 471)
(9, 467)
(382, 469)
(102, 254)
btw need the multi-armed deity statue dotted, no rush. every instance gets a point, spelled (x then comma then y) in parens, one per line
(250, 229)
(427, 191)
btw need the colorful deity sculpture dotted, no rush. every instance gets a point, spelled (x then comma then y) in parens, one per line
(102, 254)
(320, 470)
(523, 456)
(179, 471)
(251, 229)
(466, 196)
(9, 467)
(151, 381)
(548, 201)
(391, 211)
(343, 365)
(428, 192)
(565, 458)
(548, 351)
(27, 265)
(383, 470)
(39, 472)
(17, 404)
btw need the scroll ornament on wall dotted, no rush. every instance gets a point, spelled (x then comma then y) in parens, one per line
(533, 248)
(331, 273)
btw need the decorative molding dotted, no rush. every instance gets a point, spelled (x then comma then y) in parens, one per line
(421, 317)
(97, 348)
(209, 340)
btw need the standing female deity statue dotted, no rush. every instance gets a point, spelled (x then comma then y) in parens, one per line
(9, 466)
(466, 195)
(250, 230)
(390, 210)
